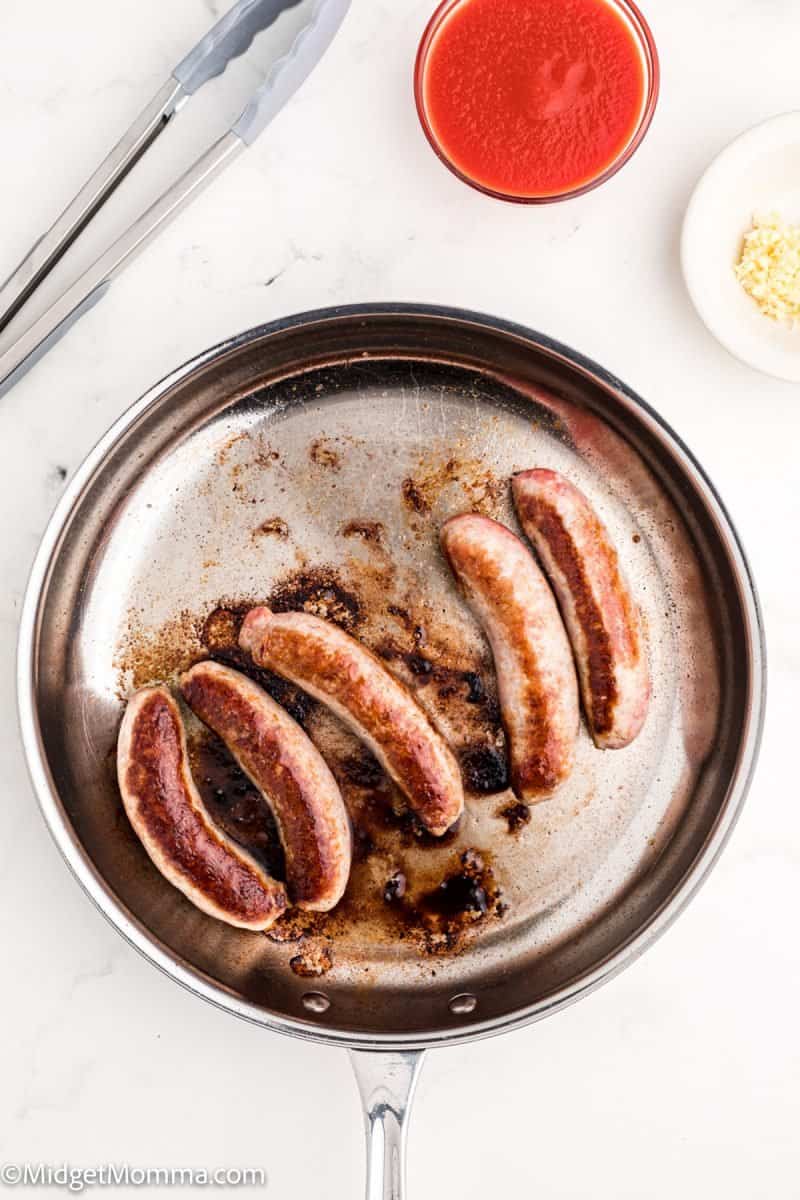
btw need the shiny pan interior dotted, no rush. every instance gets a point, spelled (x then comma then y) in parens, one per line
(323, 451)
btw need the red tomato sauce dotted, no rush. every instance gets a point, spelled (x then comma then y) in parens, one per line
(533, 97)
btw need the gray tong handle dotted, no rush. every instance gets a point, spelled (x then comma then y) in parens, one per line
(53, 244)
(230, 37)
(284, 79)
(290, 72)
(92, 285)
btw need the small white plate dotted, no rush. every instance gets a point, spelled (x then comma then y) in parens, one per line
(757, 173)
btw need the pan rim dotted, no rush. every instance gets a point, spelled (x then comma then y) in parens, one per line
(197, 981)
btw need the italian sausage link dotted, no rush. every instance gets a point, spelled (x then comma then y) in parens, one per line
(350, 680)
(602, 619)
(167, 814)
(536, 681)
(291, 774)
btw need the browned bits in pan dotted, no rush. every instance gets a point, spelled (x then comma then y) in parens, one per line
(363, 769)
(485, 769)
(395, 887)
(322, 453)
(517, 815)
(368, 531)
(296, 925)
(439, 479)
(312, 962)
(273, 527)
(321, 592)
(466, 895)
(414, 498)
(221, 628)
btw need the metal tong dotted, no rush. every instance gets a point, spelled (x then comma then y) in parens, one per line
(229, 38)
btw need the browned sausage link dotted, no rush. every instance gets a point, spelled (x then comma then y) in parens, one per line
(287, 768)
(535, 674)
(351, 681)
(600, 614)
(166, 812)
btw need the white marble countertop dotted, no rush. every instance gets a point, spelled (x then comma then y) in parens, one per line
(681, 1076)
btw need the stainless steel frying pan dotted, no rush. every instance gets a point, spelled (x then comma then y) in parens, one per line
(312, 460)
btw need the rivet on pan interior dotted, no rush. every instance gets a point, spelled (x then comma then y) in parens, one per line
(315, 1002)
(462, 1005)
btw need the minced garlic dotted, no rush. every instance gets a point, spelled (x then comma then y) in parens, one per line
(769, 267)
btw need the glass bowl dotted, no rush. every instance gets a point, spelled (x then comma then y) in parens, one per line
(645, 42)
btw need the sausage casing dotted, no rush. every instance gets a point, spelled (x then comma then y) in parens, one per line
(601, 616)
(286, 767)
(535, 673)
(336, 669)
(167, 814)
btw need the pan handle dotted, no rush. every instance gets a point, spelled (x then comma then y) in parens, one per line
(386, 1081)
